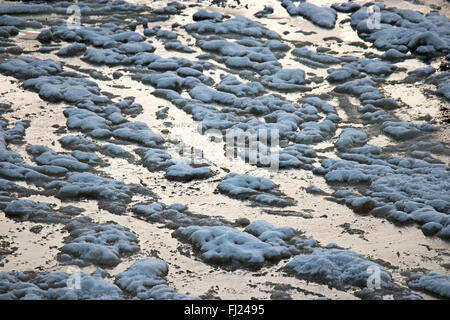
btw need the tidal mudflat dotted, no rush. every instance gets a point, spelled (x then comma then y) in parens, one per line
(224, 150)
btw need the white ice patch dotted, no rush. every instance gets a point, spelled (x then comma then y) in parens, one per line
(99, 244)
(144, 279)
(53, 286)
(432, 282)
(337, 267)
(321, 16)
(225, 245)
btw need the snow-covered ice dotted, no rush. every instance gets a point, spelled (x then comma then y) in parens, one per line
(145, 280)
(99, 244)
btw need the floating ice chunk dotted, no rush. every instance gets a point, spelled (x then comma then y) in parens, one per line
(429, 39)
(72, 90)
(422, 72)
(164, 64)
(237, 25)
(431, 228)
(397, 181)
(264, 12)
(276, 45)
(155, 159)
(137, 132)
(400, 130)
(264, 230)
(173, 7)
(261, 190)
(295, 156)
(45, 36)
(99, 244)
(7, 20)
(7, 155)
(410, 15)
(149, 211)
(377, 67)
(115, 151)
(443, 89)
(143, 58)
(53, 286)
(178, 46)
(324, 106)
(271, 200)
(87, 157)
(26, 67)
(85, 120)
(208, 95)
(385, 103)
(8, 31)
(24, 209)
(105, 56)
(17, 132)
(166, 80)
(337, 267)
(342, 74)
(404, 130)
(346, 7)
(136, 47)
(144, 279)
(244, 185)
(77, 143)
(91, 287)
(321, 16)
(225, 245)
(357, 87)
(113, 195)
(17, 8)
(173, 216)
(166, 34)
(188, 72)
(393, 55)
(52, 158)
(27, 209)
(404, 30)
(444, 233)
(286, 79)
(50, 170)
(350, 138)
(7, 185)
(19, 172)
(231, 84)
(322, 58)
(207, 15)
(126, 36)
(72, 50)
(255, 57)
(429, 214)
(312, 132)
(108, 35)
(185, 172)
(361, 204)
(432, 282)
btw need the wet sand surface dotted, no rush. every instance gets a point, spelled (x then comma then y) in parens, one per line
(398, 248)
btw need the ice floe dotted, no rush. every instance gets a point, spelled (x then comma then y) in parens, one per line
(112, 195)
(438, 284)
(321, 16)
(260, 190)
(144, 280)
(337, 267)
(54, 286)
(99, 244)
